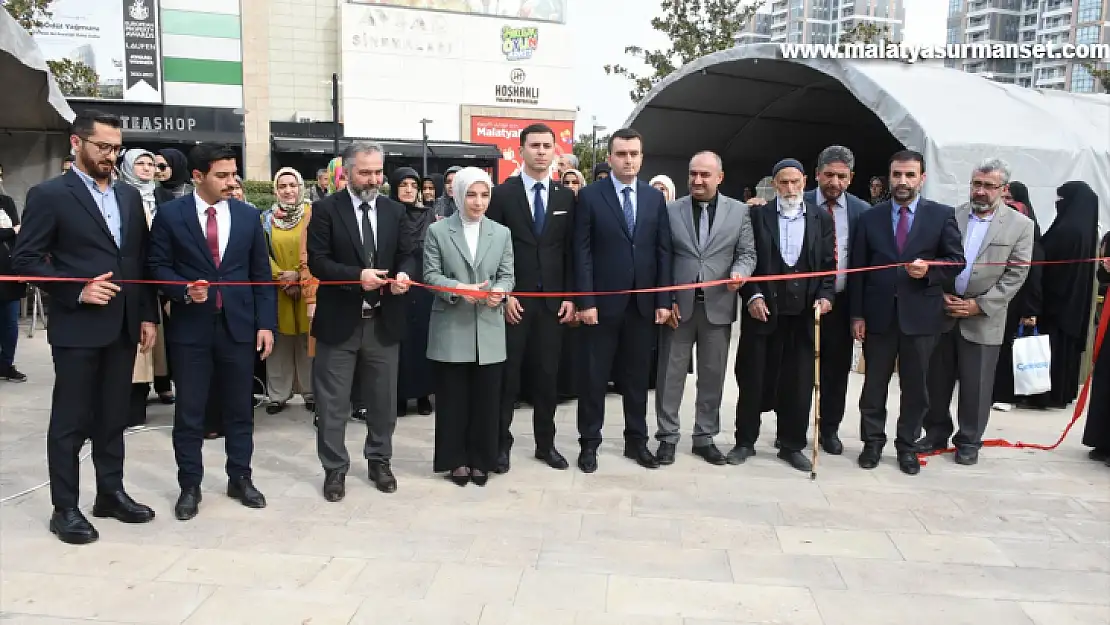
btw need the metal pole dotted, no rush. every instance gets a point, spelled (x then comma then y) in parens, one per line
(335, 111)
(424, 132)
(593, 146)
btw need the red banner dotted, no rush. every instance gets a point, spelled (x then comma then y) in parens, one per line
(504, 133)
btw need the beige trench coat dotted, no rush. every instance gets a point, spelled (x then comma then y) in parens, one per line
(152, 363)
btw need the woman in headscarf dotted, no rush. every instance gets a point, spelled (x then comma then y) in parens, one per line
(601, 170)
(573, 180)
(175, 174)
(1068, 288)
(416, 379)
(666, 185)
(137, 169)
(432, 189)
(471, 252)
(1024, 308)
(288, 369)
(1096, 434)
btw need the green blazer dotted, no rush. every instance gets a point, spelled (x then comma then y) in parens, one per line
(460, 332)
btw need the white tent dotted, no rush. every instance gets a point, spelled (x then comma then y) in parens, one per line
(754, 107)
(33, 112)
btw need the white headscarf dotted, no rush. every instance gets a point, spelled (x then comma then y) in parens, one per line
(668, 183)
(127, 174)
(464, 179)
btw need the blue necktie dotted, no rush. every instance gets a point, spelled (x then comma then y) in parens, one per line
(629, 215)
(538, 210)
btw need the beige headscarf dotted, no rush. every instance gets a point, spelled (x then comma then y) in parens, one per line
(287, 216)
(668, 183)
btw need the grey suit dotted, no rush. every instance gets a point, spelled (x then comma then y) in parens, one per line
(460, 332)
(968, 349)
(706, 318)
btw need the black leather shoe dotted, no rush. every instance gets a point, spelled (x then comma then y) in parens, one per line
(967, 456)
(424, 406)
(460, 478)
(926, 445)
(831, 444)
(641, 454)
(359, 414)
(796, 459)
(381, 475)
(1099, 454)
(335, 487)
(503, 463)
(479, 477)
(11, 374)
(243, 490)
(188, 503)
(310, 406)
(710, 454)
(120, 506)
(908, 462)
(665, 453)
(275, 408)
(70, 526)
(739, 454)
(870, 456)
(587, 460)
(778, 443)
(553, 458)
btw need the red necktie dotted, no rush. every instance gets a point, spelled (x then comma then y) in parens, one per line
(903, 231)
(836, 241)
(213, 236)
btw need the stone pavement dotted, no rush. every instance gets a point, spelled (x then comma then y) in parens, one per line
(1021, 539)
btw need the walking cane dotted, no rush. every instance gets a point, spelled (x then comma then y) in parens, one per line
(816, 388)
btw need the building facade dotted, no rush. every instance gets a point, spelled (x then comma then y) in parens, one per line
(1029, 22)
(823, 21)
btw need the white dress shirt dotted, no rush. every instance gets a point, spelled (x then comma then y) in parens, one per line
(471, 229)
(631, 196)
(373, 216)
(840, 217)
(223, 220)
(529, 190)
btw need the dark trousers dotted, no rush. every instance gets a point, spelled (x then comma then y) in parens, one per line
(956, 359)
(912, 353)
(837, 346)
(91, 391)
(225, 368)
(626, 342)
(534, 349)
(468, 398)
(9, 332)
(775, 371)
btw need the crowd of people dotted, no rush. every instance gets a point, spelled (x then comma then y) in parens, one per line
(522, 286)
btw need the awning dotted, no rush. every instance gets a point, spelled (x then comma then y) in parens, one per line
(395, 148)
(30, 99)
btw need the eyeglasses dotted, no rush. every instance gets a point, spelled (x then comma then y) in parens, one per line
(105, 148)
(989, 186)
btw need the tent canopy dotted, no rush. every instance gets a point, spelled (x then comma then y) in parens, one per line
(754, 108)
(30, 99)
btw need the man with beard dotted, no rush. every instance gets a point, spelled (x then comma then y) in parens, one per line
(998, 245)
(898, 312)
(358, 237)
(83, 231)
(196, 242)
(774, 362)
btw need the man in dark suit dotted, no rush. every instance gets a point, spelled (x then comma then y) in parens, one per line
(85, 230)
(774, 361)
(540, 215)
(835, 167)
(357, 236)
(898, 313)
(622, 240)
(198, 241)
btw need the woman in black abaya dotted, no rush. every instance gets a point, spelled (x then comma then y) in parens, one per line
(415, 380)
(1096, 434)
(1023, 309)
(1068, 289)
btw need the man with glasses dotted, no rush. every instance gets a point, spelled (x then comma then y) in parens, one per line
(998, 245)
(89, 237)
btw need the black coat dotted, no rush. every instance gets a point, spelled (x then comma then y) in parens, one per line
(336, 254)
(64, 235)
(544, 260)
(9, 291)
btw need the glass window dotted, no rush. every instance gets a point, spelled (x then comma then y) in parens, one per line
(1090, 10)
(1086, 34)
(1081, 80)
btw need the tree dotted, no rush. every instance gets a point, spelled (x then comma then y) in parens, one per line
(695, 28)
(867, 32)
(587, 155)
(1101, 74)
(30, 14)
(75, 79)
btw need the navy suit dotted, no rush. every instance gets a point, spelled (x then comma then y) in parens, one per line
(837, 344)
(64, 235)
(608, 257)
(208, 343)
(904, 316)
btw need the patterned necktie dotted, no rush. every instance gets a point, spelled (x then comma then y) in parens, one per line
(538, 209)
(903, 231)
(629, 214)
(836, 241)
(212, 234)
(703, 226)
